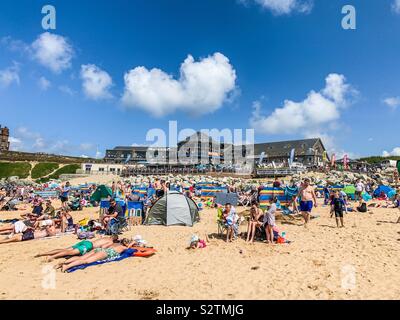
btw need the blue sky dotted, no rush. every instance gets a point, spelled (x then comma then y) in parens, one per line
(285, 68)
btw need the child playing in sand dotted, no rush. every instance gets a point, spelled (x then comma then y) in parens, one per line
(337, 207)
(197, 243)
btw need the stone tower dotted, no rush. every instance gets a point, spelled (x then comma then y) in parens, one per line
(4, 139)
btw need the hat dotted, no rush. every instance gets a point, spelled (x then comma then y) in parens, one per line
(194, 238)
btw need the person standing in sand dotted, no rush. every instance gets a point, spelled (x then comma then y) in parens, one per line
(308, 199)
(269, 220)
(337, 207)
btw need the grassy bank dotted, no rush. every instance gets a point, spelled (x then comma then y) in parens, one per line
(43, 169)
(10, 169)
(68, 169)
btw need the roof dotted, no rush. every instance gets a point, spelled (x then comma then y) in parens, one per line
(131, 148)
(283, 148)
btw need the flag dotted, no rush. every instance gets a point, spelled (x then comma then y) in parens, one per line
(345, 161)
(333, 160)
(128, 158)
(324, 156)
(291, 157)
(262, 156)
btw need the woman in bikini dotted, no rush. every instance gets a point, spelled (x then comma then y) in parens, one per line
(254, 222)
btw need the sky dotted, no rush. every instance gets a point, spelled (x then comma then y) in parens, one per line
(111, 71)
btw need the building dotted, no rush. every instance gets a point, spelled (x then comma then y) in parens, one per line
(202, 149)
(4, 139)
(309, 152)
(101, 168)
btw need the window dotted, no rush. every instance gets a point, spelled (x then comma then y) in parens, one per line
(101, 169)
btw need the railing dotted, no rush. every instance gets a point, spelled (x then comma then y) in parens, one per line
(279, 172)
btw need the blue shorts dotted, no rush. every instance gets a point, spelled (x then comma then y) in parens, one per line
(306, 206)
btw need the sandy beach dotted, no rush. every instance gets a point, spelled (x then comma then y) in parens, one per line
(359, 261)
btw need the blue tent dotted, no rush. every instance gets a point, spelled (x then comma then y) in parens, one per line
(385, 189)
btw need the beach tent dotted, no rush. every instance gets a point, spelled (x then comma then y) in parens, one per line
(350, 190)
(385, 189)
(337, 187)
(173, 209)
(101, 192)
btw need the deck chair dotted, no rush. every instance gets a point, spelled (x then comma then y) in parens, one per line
(220, 223)
(117, 226)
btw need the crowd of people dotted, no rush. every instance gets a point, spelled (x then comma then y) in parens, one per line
(44, 220)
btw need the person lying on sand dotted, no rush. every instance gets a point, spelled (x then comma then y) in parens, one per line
(197, 243)
(30, 234)
(17, 227)
(98, 254)
(80, 248)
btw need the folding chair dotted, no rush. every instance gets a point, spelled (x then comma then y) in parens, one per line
(220, 223)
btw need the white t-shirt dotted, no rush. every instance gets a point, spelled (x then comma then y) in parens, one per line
(359, 187)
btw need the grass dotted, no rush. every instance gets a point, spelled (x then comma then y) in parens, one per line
(377, 159)
(43, 169)
(68, 169)
(10, 169)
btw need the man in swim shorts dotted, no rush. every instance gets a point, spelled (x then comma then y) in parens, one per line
(308, 199)
(80, 248)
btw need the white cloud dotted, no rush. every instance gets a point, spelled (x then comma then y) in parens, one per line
(26, 140)
(15, 144)
(331, 144)
(202, 87)
(86, 146)
(396, 6)
(284, 7)
(9, 76)
(14, 45)
(395, 152)
(96, 82)
(52, 51)
(67, 90)
(392, 102)
(317, 109)
(44, 84)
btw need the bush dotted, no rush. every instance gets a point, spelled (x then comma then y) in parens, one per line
(10, 169)
(43, 169)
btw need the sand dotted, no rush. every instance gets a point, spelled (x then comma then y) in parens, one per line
(360, 261)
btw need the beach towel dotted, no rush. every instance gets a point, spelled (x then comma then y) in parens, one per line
(124, 255)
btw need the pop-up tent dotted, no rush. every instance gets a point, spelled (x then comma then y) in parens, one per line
(350, 190)
(101, 192)
(385, 189)
(173, 209)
